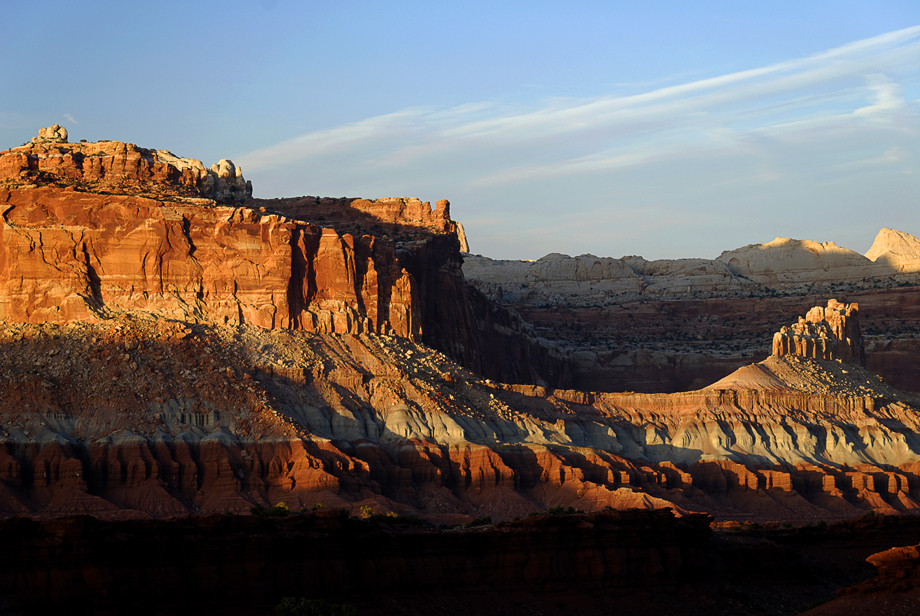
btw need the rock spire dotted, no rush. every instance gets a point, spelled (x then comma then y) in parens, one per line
(830, 332)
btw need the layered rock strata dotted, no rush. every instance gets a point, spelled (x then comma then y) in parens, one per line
(174, 248)
(135, 418)
(119, 168)
(69, 256)
(672, 325)
(166, 356)
(784, 265)
(831, 332)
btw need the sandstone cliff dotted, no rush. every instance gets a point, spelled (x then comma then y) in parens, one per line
(824, 333)
(67, 255)
(93, 229)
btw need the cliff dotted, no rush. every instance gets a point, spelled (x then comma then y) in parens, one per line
(113, 167)
(67, 255)
(93, 229)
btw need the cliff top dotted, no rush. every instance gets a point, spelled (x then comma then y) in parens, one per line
(119, 168)
(115, 167)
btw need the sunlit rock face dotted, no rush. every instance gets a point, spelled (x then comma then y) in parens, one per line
(164, 351)
(897, 250)
(830, 332)
(114, 167)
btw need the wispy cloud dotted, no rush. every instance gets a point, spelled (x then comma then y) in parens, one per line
(771, 123)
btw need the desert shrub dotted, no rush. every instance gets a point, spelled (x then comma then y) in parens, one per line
(300, 606)
(279, 510)
(484, 521)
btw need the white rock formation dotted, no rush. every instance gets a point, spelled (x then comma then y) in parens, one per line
(52, 134)
(898, 250)
(788, 261)
(781, 265)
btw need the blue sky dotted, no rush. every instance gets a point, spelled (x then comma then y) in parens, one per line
(665, 129)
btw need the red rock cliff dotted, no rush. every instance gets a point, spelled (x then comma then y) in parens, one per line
(68, 256)
(92, 229)
(824, 333)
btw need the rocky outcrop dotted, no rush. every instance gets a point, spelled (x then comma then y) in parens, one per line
(52, 134)
(898, 568)
(119, 168)
(830, 332)
(894, 590)
(897, 250)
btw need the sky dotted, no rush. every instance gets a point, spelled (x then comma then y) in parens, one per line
(667, 129)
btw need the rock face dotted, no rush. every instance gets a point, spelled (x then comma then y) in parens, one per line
(897, 250)
(113, 167)
(389, 266)
(52, 134)
(830, 332)
(69, 256)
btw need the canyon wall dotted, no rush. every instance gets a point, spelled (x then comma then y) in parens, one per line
(67, 255)
(672, 325)
(93, 229)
